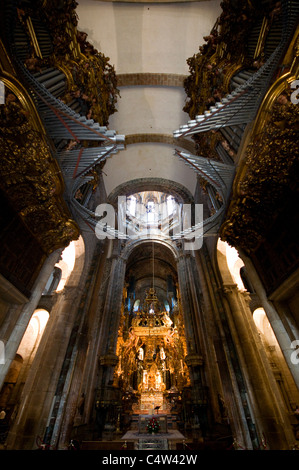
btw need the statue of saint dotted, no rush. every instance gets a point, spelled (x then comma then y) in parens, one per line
(140, 354)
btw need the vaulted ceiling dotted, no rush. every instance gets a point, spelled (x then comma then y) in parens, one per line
(148, 44)
(151, 264)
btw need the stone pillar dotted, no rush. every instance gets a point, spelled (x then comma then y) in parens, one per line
(268, 407)
(18, 317)
(40, 390)
(110, 320)
(46, 387)
(213, 349)
(284, 331)
(234, 388)
(77, 398)
(187, 301)
(111, 314)
(106, 394)
(199, 392)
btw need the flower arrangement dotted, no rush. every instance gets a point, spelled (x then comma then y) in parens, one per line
(153, 425)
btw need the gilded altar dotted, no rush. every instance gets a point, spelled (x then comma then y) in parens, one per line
(151, 349)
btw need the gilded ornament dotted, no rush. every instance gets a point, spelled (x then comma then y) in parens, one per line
(271, 160)
(29, 179)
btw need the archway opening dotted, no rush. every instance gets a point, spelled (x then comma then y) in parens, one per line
(33, 334)
(277, 361)
(233, 271)
(66, 264)
(20, 366)
(230, 264)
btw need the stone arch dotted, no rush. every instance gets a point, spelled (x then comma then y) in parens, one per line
(53, 281)
(33, 334)
(19, 368)
(50, 353)
(276, 358)
(152, 184)
(133, 244)
(229, 264)
(71, 263)
(272, 381)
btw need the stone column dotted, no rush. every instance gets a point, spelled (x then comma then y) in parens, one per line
(228, 363)
(110, 306)
(41, 390)
(200, 417)
(111, 313)
(268, 407)
(187, 300)
(18, 317)
(44, 393)
(213, 349)
(106, 394)
(284, 331)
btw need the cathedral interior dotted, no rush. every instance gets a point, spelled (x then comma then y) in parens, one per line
(149, 262)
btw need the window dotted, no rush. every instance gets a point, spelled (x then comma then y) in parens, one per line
(131, 204)
(150, 209)
(170, 205)
(149, 212)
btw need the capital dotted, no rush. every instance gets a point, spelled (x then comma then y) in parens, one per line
(229, 289)
(193, 360)
(110, 359)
